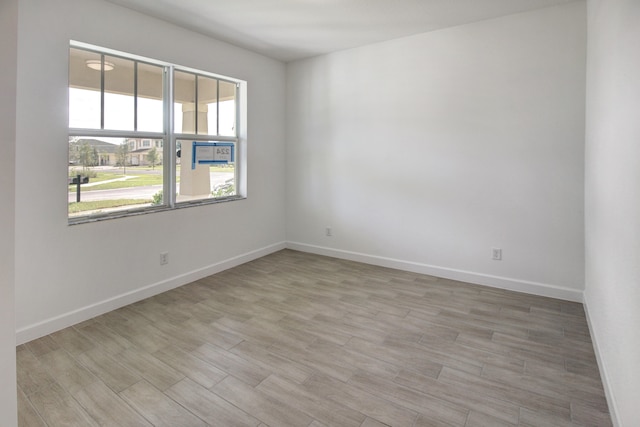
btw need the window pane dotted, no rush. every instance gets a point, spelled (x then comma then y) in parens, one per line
(227, 109)
(122, 174)
(185, 99)
(150, 96)
(207, 106)
(118, 93)
(205, 181)
(124, 101)
(84, 89)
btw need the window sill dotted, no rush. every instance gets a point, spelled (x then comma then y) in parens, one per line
(144, 211)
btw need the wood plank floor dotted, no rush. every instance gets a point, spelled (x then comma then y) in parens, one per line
(294, 339)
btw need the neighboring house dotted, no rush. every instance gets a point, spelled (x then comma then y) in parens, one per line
(139, 151)
(105, 152)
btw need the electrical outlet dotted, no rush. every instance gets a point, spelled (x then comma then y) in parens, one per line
(164, 258)
(496, 254)
(328, 232)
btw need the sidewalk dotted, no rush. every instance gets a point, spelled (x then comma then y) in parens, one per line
(124, 178)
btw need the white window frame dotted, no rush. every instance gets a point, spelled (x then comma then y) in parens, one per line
(169, 138)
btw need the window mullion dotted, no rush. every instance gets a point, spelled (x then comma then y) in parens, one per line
(197, 106)
(102, 91)
(135, 95)
(169, 152)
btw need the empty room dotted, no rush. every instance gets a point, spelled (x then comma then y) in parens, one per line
(320, 213)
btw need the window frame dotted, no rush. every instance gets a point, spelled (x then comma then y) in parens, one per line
(168, 136)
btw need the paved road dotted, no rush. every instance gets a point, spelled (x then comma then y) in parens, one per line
(143, 193)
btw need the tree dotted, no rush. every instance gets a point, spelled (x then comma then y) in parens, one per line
(152, 156)
(74, 150)
(87, 156)
(95, 157)
(122, 155)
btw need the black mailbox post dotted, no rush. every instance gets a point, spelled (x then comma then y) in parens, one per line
(78, 180)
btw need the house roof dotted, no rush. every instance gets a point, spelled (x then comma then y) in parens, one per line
(101, 146)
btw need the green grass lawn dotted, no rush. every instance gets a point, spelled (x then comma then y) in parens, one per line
(138, 181)
(100, 176)
(141, 180)
(103, 204)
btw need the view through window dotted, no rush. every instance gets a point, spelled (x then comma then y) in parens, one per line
(127, 155)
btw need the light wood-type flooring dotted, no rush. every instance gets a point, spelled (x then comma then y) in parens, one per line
(295, 339)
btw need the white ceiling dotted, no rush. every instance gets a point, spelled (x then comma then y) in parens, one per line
(294, 29)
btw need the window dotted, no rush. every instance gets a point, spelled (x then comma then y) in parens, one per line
(146, 135)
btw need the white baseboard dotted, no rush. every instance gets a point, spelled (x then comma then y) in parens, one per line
(608, 391)
(62, 321)
(517, 285)
(65, 320)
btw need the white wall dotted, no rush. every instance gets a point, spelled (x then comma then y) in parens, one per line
(425, 152)
(8, 53)
(612, 294)
(64, 273)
